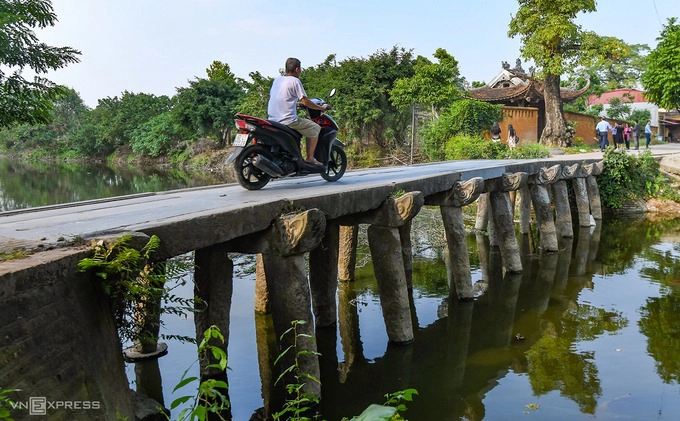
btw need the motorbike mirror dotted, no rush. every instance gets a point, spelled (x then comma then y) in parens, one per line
(332, 92)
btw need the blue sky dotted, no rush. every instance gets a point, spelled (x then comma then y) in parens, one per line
(155, 46)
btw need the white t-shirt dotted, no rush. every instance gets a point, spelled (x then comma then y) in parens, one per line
(285, 93)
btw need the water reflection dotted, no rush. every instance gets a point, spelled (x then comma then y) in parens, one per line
(24, 185)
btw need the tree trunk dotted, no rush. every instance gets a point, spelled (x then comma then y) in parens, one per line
(556, 132)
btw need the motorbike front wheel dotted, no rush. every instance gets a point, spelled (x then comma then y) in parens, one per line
(247, 175)
(336, 166)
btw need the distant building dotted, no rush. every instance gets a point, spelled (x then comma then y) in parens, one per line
(634, 98)
(523, 102)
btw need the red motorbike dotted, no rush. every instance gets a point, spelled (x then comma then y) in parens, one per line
(266, 149)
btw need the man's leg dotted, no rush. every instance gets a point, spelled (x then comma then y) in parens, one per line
(311, 147)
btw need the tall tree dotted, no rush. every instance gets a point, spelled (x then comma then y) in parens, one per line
(435, 85)
(23, 100)
(662, 77)
(556, 44)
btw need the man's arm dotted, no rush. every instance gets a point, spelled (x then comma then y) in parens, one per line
(308, 103)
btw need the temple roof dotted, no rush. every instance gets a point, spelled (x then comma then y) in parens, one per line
(515, 85)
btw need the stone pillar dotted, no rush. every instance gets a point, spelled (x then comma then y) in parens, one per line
(213, 285)
(457, 254)
(482, 221)
(385, 244)
(407, 253)
(563, 223)
(291, 301)
(542, 208)
(267, 353)
(505, 229)
(347, 258)
(323, 277)
(282, 247)
(457, 257)
(502, 217)
(348, 326)
(524, 210)
(483, 255)
(581, 195)
(261, 293)
(594, 170)
(389, 272)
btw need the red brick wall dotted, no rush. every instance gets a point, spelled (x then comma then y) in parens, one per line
(525, 122)
(585, 127)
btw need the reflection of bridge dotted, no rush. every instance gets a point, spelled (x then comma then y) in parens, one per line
(48, 306)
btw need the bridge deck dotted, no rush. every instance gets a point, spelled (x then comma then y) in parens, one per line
(189, 219)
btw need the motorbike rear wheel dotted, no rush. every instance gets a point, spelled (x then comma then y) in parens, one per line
(336, 166)
(247, 175)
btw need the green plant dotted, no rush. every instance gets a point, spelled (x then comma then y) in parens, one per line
(133, 282)
(626, 177)
(390, 411)
(210, 396)
(473, 147)
(299, 402)
(6, 403)
(530, 151)
(463, 118)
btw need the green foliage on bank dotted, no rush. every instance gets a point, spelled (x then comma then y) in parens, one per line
(463, 118)
(627, 177)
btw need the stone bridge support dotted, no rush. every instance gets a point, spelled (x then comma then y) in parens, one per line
(347, 255)
(502, 217)
(385, 241)
(542, 208)
(563, 222)
(587, 193)
(282, 247)
(457, 255)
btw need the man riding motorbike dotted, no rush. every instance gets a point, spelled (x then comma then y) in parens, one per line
(286, 91)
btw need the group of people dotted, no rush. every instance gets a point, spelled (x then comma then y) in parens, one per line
(512, 134)
(622, 134)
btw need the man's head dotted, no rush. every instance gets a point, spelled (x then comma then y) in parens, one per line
(601, 117)
(292, 64)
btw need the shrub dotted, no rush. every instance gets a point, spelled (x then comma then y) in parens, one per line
(465, 117)
(627, 177)
(473, 147)
(530, 151)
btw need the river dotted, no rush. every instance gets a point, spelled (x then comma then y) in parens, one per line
(590, 332)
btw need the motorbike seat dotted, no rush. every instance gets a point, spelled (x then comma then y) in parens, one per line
(286, 129)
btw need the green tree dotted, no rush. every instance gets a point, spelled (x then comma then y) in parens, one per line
(112, 123)
(619, 108)
(363, 105)
(557, 45)
(435, 85)
(256, 98)
(662, 78)
(207, 106)
(22, 100)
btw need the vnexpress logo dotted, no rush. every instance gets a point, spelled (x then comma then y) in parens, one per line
(37, 405)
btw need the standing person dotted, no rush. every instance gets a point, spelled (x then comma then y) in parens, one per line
(496, 132)
(512, 137)
(286, 91)
(613, 134)
(626, 135)
(648, 133)
(618, 136)
(636, 134)
(603, 128)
